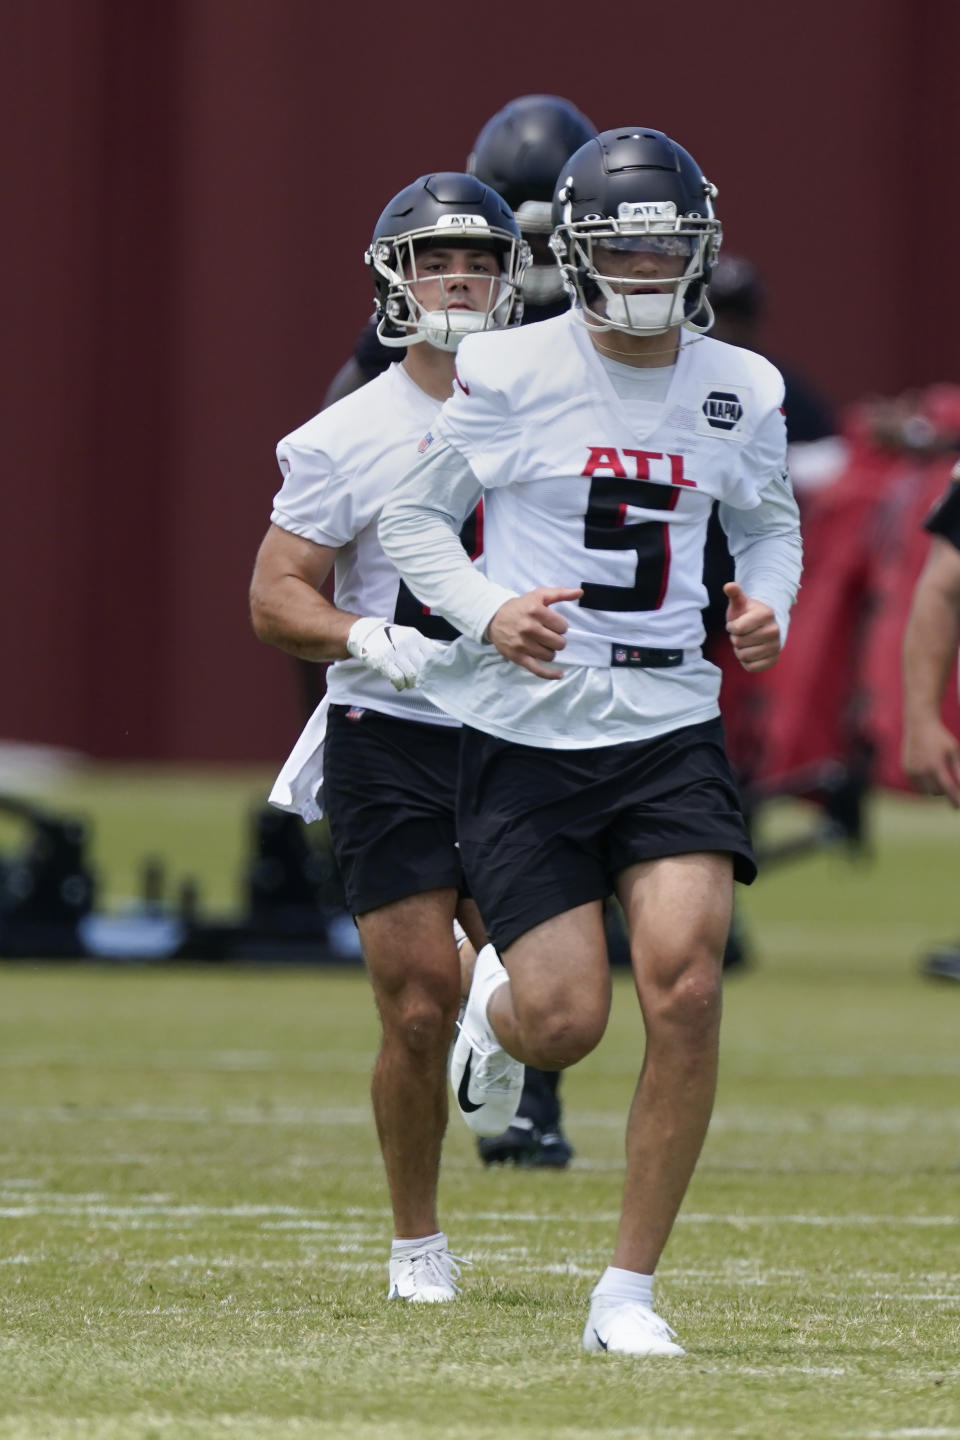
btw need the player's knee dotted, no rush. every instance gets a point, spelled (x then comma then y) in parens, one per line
(562, 1039)
(691, 1002)
(681, 989)
(421, 1022)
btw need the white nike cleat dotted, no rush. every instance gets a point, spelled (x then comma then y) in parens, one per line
(428, 1275)
(626, 1327)
(486, 1080)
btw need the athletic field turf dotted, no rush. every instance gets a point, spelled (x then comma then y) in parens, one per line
(194, 1223)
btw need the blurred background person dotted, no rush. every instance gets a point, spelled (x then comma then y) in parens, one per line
(738, 300)
(931, 750)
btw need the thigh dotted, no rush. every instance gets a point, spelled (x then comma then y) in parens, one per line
(560, 967)
(409, 950)
(678, 912)
(390, 792)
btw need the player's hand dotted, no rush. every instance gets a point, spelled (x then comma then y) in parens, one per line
(753, 629)
(529, 633)
(931, 760)
(397, 652)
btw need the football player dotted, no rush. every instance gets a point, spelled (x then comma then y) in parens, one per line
(931, 752)
(519, 153)
(447, 259)
(592, 756)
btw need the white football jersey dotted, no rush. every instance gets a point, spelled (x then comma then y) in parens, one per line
(338, 469)
(579, 491)
(584, 490)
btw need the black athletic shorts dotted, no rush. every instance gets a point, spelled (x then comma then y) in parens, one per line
(389, 792)
(542, 831)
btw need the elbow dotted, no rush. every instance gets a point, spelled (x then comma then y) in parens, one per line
(260, 617)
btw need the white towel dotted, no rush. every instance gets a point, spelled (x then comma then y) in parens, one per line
(299, 786)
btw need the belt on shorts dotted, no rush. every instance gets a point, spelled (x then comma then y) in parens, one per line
(646, 657)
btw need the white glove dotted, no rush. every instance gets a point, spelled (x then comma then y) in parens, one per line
(397, 652)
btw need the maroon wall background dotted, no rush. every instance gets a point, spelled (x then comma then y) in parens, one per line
(191, 187)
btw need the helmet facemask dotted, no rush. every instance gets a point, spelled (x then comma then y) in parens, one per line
(624, 301)
(399, 265)
(542, 282)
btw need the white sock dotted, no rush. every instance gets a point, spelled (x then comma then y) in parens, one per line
(495, 975)
(615, 1284)
(424, 1242)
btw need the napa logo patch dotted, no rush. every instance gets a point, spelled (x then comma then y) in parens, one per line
(722, 411)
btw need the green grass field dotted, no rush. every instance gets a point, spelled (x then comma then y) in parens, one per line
(194, 1222)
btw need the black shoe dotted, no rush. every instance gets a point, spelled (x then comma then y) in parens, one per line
(518, 1145)
(736, 955)
(554, 1150)
(942, 964)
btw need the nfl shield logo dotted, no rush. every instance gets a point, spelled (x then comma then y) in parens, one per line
(620, 655)
(425, 444)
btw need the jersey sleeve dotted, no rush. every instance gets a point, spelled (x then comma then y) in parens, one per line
(764, 534)
(476, 420)
(765, 454)
(317, 500)
(766, 546)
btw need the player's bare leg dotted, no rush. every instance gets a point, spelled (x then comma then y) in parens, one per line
(678, 914)
(556, 1006)
(412, 959)
(534, 1136)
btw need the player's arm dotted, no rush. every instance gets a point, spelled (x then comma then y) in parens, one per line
(763, 536)
(286, 608)
(419, 530)
(931, 753)
(288, 611)
(768, 559)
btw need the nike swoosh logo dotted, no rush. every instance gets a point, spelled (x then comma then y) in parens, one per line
(602, 1343)
(463, 1089)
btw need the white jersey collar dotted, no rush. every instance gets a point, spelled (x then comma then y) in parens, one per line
(632, 421)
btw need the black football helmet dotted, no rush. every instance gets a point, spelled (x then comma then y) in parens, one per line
(636, 189)
(451, 210)
(520, 152)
